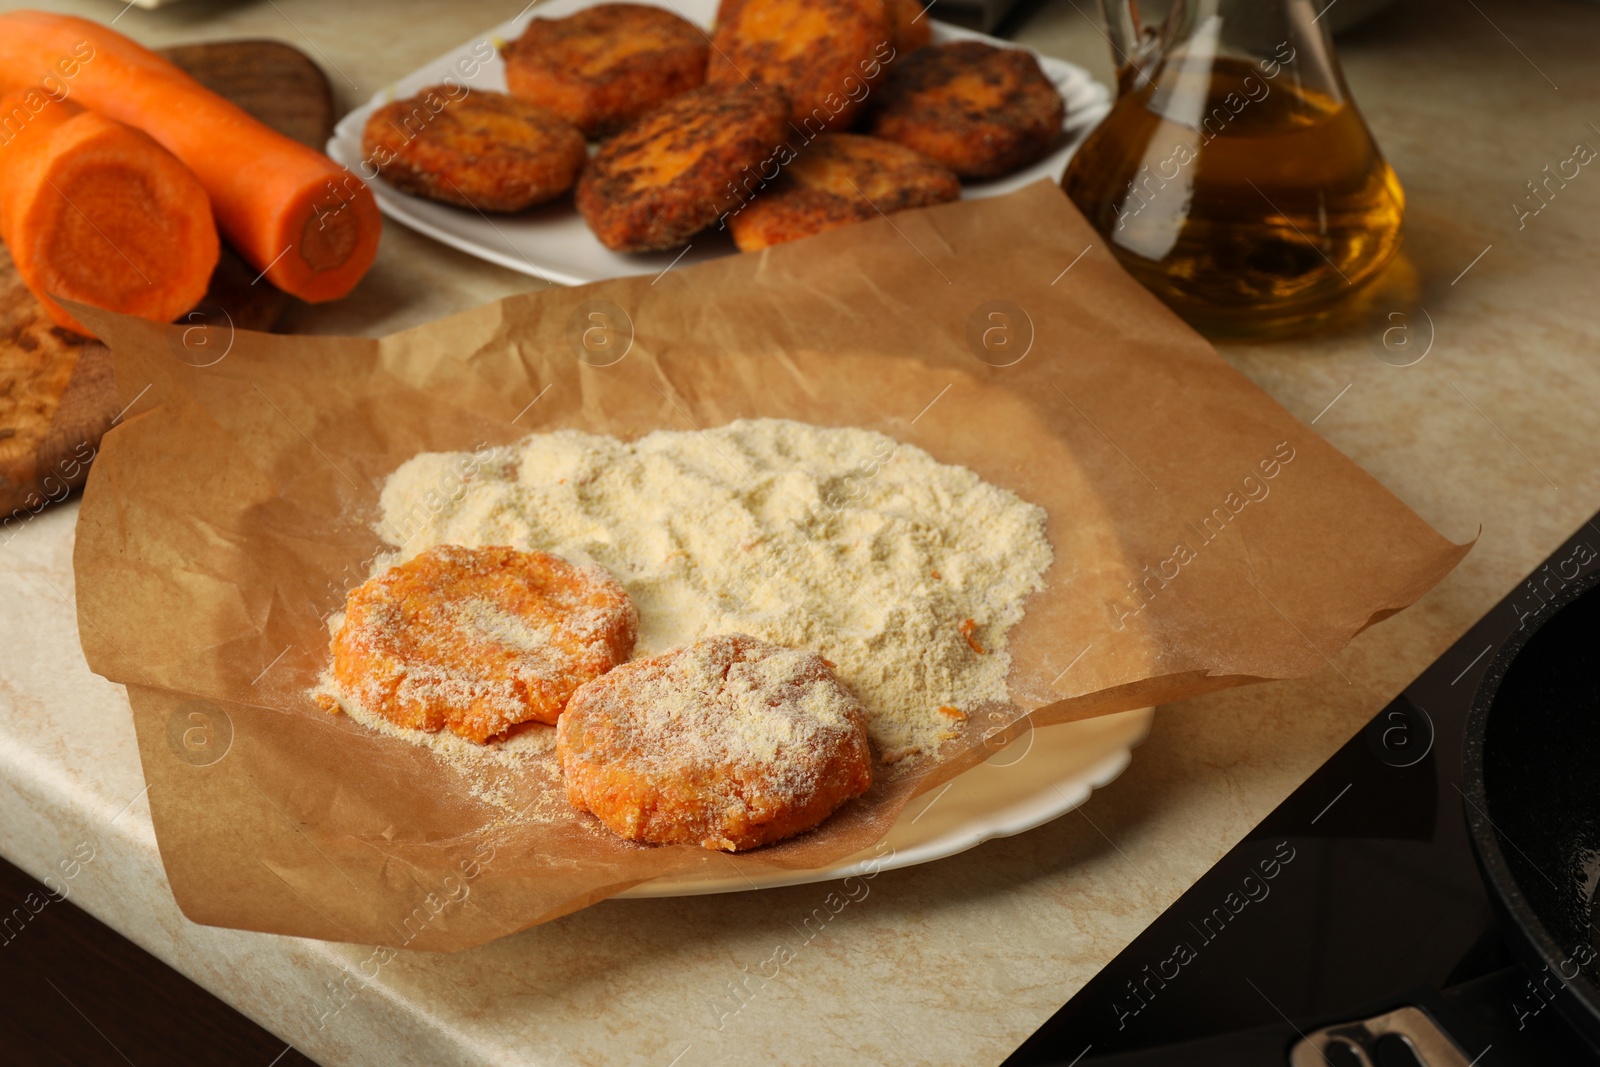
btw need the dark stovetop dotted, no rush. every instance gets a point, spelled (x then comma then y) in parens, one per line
(1358, 894)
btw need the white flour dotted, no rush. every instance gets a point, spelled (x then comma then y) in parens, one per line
(842, 541)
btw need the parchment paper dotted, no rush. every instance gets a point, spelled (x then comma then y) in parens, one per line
(1204, 538)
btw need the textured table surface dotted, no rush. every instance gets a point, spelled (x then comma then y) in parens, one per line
(957, 961)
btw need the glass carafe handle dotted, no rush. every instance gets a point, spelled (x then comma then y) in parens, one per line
(1135, 44)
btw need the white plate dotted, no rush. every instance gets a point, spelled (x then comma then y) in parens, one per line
(1033, 780)
(552, 242)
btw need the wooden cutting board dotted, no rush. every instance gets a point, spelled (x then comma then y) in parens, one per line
(57, 392)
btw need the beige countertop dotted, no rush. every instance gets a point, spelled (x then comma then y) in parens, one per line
(957, 961)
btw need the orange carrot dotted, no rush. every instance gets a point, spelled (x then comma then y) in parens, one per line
(97, 212)
(969, 630)
(308, 223)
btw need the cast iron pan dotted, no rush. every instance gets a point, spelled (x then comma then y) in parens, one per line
(1532, 798)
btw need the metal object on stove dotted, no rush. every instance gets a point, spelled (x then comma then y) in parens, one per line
(1372, 1043)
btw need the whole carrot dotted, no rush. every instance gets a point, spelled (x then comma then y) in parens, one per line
(97, 212)
(308, 223)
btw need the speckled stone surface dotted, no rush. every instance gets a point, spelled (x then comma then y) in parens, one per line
(1496, 428)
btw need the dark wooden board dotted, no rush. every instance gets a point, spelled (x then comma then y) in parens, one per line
(57, 393)
(78, 994)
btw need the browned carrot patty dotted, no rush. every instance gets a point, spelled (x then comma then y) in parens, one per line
(606, 65)
(981, 111)
(837, 179)
(913, 28)
(729, 743)
(676, 170)
(476, 149)
(824, 54)
(479, 639)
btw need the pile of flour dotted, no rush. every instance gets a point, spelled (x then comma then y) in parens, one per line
(842, 541)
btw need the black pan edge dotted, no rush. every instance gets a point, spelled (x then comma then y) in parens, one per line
(1579, 998)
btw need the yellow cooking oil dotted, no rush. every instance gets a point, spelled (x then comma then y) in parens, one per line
(1250, 204)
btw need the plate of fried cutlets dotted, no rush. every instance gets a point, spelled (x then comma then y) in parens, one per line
(582, 141)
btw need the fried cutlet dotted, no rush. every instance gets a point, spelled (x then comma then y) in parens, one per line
(837, 179)
(475, 149)
(824, 54)
(912, 27)
(606, 65)
(981, 111)
(680, 167)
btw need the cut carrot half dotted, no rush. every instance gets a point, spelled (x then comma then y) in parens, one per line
(97, 212)
(309, 224)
